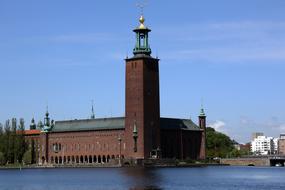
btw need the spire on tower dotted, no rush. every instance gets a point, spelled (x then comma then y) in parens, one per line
(202, 112)
(33, 124)
(47, 123)
(47, 114)
(92, 111)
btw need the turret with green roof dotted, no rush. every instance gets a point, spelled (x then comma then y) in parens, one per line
(142, 45)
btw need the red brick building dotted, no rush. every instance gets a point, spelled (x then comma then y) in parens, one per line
(141, 134)
(281, 144)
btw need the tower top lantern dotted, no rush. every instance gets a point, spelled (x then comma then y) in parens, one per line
(142, 46)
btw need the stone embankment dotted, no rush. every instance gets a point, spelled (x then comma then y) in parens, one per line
(149, 163)
(246, 161)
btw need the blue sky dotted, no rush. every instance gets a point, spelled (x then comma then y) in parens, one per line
(65, 53)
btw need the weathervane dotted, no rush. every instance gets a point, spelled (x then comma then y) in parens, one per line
(141, 6)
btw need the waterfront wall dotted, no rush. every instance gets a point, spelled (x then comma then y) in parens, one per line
(246, 161)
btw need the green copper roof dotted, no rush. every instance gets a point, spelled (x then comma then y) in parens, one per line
(173, 123)
(202, 113)
(118, 123)
(89, 124)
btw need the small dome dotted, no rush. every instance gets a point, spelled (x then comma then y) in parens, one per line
(141, 19)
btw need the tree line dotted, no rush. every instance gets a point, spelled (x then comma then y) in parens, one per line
(220, 145)
(12, 142)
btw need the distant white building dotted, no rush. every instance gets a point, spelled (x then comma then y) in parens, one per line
(256, 134)
(276, 144)
(263, 145)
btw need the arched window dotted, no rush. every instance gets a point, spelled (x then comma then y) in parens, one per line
(104, 159)
(43, 159)
(73, 160)
(108, 158)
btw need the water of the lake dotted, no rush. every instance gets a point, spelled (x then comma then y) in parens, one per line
(208, 178)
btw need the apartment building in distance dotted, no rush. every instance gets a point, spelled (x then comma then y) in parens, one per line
(263, 145)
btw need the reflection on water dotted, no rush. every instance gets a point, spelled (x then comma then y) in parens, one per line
(142, 178)
(214, 178)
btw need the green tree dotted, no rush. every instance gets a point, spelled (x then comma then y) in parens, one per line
(20, 145)
(1, 138)
(12, 141)
(2, 159)
(238, 153)
(218, 144)
(8, 152)
(27, 157)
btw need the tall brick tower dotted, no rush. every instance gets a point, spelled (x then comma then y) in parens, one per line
(142, 99)
(202, 125)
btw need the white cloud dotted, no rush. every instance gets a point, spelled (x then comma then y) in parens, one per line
(218, 125)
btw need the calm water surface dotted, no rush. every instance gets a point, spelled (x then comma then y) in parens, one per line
(208, 178)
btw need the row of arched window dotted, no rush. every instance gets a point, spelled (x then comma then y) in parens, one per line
(83, 159)
(57, 147)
